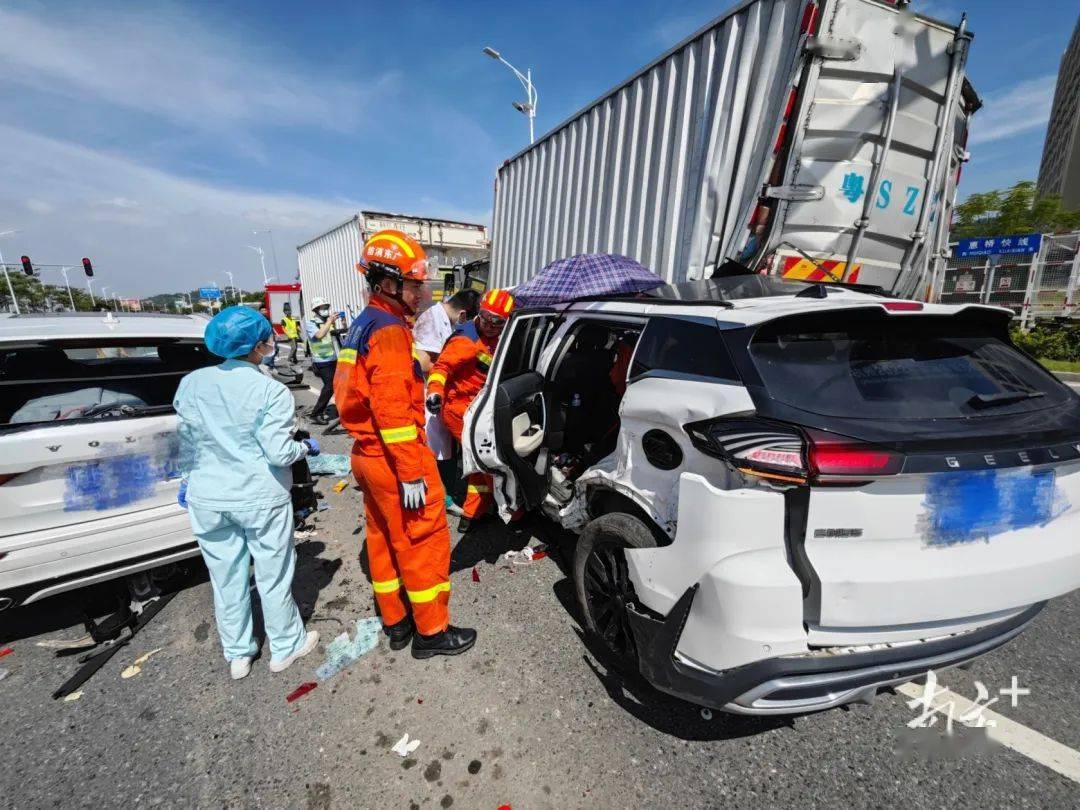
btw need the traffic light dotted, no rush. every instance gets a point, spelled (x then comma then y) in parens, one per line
(27, 267)
(87, 267)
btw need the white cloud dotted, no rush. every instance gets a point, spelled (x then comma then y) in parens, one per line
(1014, 110)
(166, 62)
(38, 206)
(147, 230)
(150, 231)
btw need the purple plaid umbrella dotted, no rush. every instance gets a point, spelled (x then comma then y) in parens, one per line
(585, 275)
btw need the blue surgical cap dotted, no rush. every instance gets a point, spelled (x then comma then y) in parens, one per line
(234, 331)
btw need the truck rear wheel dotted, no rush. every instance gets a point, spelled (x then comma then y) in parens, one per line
(602, 581)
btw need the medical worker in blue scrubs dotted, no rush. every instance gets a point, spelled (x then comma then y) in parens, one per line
(235, 426)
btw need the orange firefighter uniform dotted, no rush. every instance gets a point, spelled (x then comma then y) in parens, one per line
(379, 391)
(457, 377)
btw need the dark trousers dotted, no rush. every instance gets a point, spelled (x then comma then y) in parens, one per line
(292, 349)
(325, 372)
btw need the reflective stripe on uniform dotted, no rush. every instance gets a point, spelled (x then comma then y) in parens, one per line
(478, 488)
(399, 434)
(484, 358)
(347, 356)
(401, 243)
(428, 594)
(438, 377)
(386, 586)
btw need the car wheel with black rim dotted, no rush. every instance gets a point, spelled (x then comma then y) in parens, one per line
(602, 581)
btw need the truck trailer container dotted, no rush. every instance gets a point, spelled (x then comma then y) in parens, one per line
(818, 139)
(328, 261)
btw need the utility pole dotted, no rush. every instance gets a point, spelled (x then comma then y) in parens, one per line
(7, 278)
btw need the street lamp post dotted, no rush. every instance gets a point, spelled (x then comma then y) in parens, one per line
(528, 109)
(67, 283)
(232, 285)
(90, 287)
(7, 278)
(273, 252)
(262, 262)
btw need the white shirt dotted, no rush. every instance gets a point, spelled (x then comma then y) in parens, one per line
(430, 334)
(432, 329)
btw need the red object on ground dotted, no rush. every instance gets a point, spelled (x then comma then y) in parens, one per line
(6, 651)
(539, 555)
(505, 807)
(300, 691)
(475, 576)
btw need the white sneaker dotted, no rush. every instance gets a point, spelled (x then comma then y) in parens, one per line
(309, 645)
(240, 667)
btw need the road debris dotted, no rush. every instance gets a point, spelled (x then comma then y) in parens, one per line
(6, 651)
(73, 696)
(65, 643)
(405, 746)
(475, 575)
(109, 635)
(136, 667)
(340, 485)
(526, 555)
(706, 714)
(4, 673)
(300, 691)
(343, 651)
(329, 464)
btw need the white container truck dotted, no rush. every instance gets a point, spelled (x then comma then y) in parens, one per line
(816, 139)
(328, 262)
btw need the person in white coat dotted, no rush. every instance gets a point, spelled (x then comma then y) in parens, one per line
(235, 427)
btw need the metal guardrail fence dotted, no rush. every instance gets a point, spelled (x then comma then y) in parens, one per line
(1039, 285)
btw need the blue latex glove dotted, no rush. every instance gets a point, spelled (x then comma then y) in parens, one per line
(181, 496)
(341, 315)
(313, 448)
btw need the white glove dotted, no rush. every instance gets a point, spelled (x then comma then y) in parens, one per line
(412, 493)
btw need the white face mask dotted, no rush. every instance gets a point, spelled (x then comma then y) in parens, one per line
(267, 350)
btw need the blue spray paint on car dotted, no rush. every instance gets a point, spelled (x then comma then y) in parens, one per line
(964, 507)
(120, 479)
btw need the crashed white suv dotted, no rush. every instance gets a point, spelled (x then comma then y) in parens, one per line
(88, 472)
(788, 495)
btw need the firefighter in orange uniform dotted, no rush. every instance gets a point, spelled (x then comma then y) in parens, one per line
(457, 377)
(380, 396)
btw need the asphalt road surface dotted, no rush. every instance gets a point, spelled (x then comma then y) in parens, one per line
(531, 717)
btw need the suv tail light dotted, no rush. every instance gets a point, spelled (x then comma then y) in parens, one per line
(785, 453)
(833, 458)
(753, 446)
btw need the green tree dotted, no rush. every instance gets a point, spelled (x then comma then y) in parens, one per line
(1011, 211)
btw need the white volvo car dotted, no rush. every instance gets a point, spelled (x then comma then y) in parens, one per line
(88, 472)
(788, 496)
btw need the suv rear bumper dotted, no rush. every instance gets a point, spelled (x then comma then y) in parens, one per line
(802, 683)
(47, 563)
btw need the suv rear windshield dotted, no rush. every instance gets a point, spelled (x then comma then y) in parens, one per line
(866, 365)
(87, 379)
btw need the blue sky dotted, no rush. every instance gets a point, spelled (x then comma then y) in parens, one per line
(156, 137)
